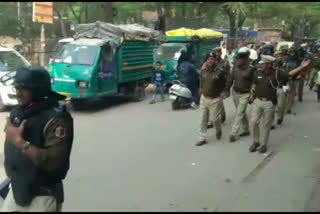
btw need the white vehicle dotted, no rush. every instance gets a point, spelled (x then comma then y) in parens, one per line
(179, 95)
(10, 61)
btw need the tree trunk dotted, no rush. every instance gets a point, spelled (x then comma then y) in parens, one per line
(184, 9)
(86, 12)
(62, 26)
(108, 12)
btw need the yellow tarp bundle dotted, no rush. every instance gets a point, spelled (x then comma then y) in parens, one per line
(181, 32)
(208, 33)
(201, 33)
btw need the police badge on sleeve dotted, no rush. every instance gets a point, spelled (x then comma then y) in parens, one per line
(60, 132)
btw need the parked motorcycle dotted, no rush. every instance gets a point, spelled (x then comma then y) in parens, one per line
(179, 95)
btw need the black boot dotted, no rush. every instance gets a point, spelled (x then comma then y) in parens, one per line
(254, 147)
(223, 118)
(263, 149)
(232, 138)
(279, 121)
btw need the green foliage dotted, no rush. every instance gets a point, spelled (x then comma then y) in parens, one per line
(300, 18)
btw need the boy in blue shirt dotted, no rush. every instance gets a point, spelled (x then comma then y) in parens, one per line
(158, 82)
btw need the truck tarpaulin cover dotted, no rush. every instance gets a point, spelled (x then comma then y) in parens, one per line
(112, 34)
(203, 33)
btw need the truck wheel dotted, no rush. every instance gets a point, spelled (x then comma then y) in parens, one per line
(77, 104)
(2, 106)
(139, 94)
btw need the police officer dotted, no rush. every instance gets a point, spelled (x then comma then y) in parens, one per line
(241, 79)
(315, 68)
(222, 64)
(212, 83)
(292, 63)
(265, 84)
(279, 66)
(39, 136)
(302, 77)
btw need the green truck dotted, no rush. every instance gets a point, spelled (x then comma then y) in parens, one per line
(169, 52)
(108, 60)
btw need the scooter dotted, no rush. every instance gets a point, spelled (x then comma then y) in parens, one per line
(179, 95)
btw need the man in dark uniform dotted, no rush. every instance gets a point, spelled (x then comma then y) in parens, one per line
(279, 66)
(224, 65)
(292, 63)
(264, 87)
(39, 136)
(212, 83)
(315, 68)
(241, 79)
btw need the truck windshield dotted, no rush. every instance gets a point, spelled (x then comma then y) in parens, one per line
(170, 51)
(10, 61)
(77, 54)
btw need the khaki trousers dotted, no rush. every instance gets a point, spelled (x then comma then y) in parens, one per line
(281, 105)
(209, 108)
(301, 83)
(262, 111)
(291, 93)
(241, 102)
(38, 204)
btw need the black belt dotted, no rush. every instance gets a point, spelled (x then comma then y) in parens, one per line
(263, 99)
(241, 92)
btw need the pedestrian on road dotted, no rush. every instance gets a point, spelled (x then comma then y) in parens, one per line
(158, 82)
(39, 136)
(212, 83)
(241, 79)
(264, 87)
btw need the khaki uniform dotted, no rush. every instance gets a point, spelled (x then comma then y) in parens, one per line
(212, 84)
(262, 112)
(241, 102)
(293, 84)
(57, 134)
(241, 80)
(291, 93)
(264, 105)
(281, 94)
(281, 105)
(224, 65)
(38, 204)
(210, 108)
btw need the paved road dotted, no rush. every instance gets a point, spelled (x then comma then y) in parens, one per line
(141, 157)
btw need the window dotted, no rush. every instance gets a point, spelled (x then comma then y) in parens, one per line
(77, 54)
(10, 61)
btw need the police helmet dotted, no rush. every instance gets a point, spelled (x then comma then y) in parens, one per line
(36, 79)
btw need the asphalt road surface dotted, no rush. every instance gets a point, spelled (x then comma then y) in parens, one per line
(139, 157)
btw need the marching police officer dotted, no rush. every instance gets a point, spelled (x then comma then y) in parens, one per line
(315, 68)
(265, 84)
(212, 83)
(222, 64)
(39, 136)
(279, 66)
(241, 78)
(292, 63)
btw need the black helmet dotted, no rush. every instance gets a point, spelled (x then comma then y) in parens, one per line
(36, 79)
